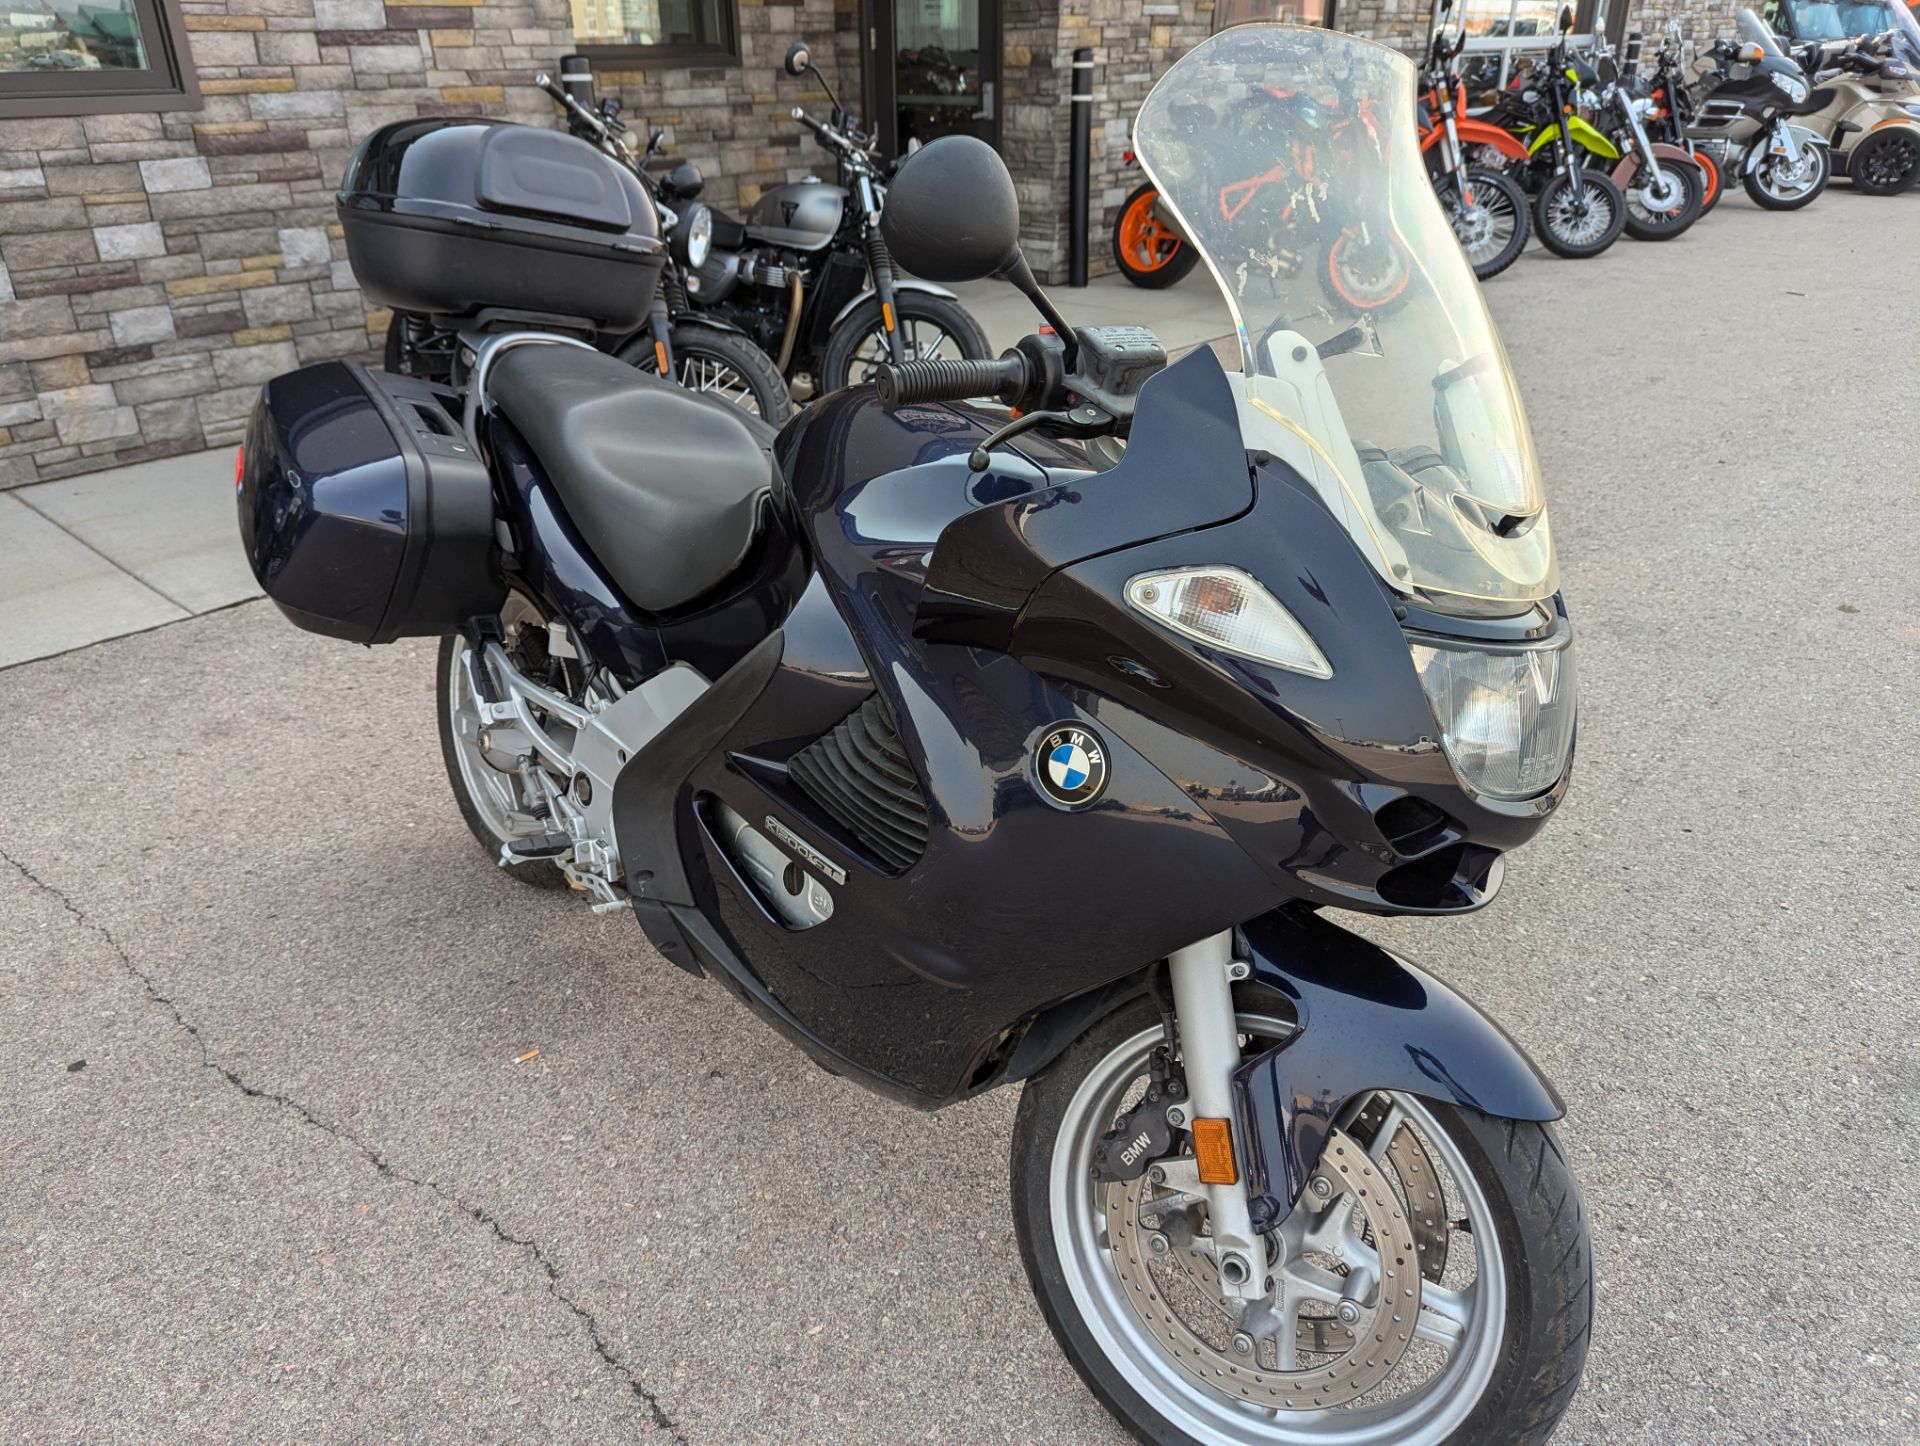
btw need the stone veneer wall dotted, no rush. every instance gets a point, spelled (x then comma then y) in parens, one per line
(156, 268)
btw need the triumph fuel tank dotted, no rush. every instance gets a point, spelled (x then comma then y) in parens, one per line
(804, 215)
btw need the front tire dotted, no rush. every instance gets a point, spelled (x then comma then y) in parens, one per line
(1523, 1320)
(1148, 252)
(1648, 222)
(1775, 185)
(719, 364)
(1581, 216)
(1495, 232)
(933, 329)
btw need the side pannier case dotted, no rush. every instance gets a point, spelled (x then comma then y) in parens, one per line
(363, 509)
(459, 218)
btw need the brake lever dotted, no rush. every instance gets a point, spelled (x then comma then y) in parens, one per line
(1085, 420)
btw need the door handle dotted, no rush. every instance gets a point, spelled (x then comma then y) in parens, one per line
(986, 102)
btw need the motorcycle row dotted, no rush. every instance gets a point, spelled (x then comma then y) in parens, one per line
(1587, 145)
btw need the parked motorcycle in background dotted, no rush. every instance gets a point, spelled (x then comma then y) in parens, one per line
(1665, 191)
(1578, 209)
(1752, 99)
(1487, 209)
(1872, 114)
(1670, 89)
(969, 753)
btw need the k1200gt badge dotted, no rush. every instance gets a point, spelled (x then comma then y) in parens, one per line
(1070, 765)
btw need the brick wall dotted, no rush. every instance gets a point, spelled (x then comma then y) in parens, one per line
(156, 268)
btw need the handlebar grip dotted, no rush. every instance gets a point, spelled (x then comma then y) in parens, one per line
(906, 383)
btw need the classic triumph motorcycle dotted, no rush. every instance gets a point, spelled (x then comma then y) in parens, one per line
(1034, 743)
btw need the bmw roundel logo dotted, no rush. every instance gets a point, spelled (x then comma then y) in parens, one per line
(1070, 765)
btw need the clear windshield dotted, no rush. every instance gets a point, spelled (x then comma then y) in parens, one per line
(1371, 366)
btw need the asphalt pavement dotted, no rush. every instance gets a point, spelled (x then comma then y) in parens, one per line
(314, 1125)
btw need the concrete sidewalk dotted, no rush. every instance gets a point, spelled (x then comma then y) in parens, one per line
(94, 557)
(131, 548)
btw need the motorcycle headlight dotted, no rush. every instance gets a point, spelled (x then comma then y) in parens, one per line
(1795, 88)
(1506, 718)
(693, 237)
(1227, 609)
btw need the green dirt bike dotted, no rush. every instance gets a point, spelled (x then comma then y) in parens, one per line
(1578, 209)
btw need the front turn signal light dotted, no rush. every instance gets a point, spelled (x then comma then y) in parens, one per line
(1228, 609)
(1213, 1152)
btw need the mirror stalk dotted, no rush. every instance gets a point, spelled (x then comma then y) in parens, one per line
(1018, 274)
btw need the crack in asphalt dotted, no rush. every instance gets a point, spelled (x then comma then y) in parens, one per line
(661, 1420)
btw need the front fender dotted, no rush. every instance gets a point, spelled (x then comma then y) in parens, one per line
(1485, 133)
(900, 283)
(1367, 1020)
(1590, 137)
(1667, 154)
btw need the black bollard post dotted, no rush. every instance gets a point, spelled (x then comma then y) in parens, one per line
(1082, 164)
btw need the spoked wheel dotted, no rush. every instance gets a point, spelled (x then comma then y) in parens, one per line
(1366, 270)
(720, 365)
(1149, 252)
(1660, 213)
(1493, 229)
(1779, 184)
(1581, 216)
(1886, 163)
(931, 328)
(1433, 1283)
(500, 797)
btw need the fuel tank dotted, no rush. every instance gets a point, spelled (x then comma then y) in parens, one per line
(804, 215)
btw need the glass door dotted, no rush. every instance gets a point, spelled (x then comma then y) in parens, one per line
(938, 66)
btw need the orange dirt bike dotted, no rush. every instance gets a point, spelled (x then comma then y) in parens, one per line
(1147, 244)
(1487, 210)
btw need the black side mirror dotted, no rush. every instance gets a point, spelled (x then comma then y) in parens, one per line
(797, 59)
(951, 213)
(1566, 19)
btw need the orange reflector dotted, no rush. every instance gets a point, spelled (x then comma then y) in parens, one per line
(239, 467)
(886, 314)
(660, 356)
(1213, 1152)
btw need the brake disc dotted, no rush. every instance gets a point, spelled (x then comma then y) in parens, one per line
(1378, 1344)
(1428, 1215)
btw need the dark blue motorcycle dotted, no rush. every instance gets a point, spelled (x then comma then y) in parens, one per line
(1033, 743)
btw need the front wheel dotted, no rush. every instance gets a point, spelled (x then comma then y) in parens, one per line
(931, 327)
(720, 364)
(1778, 184)
(1656, 214)
(1149, 252)
(1886, 163)
(1581, 215)
(1493, 229)
(1501, 1303)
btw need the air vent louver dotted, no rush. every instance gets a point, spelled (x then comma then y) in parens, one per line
(860, 776)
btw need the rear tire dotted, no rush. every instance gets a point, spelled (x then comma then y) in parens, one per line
(1885, 164)
(1644, 223)
(1773, 195)
(1564, 228)
(933, 328)
(1147, 251)
(719, 364)
(1517, 1369)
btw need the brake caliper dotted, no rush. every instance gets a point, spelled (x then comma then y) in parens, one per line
(1143, 1134)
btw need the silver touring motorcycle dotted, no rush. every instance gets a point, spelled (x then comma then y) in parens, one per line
(1039, 743)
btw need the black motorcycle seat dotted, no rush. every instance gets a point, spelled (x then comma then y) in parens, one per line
(668, 488)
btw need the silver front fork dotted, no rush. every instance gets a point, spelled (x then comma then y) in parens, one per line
(1210, 1052)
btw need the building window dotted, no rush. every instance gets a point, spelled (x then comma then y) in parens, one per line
(1505, 37)
(652, 32)
(91, 56)
(1293, 12)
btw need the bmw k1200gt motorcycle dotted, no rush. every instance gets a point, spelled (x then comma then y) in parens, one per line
(972, 747)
